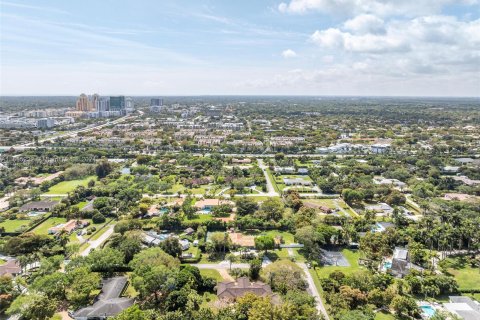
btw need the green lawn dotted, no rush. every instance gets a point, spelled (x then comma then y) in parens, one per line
(100, 232)
(352, 257)
(258, 198)
(68, 186)
(382, 315)
(287, 236)
(466, 276)
(2, 262)
(199, 190)
(13, 225)
(272, 178)
(47, 224)
(176, 188)
(202, 217)
(80, 205)
(211, 273)
(208, 299)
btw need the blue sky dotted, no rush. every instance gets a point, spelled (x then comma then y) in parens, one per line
(314, 47)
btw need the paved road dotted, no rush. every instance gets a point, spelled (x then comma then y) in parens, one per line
(73, 133)
(313, 290)
(54, 195)
(270, 189)
(221, 265)
(96, 243)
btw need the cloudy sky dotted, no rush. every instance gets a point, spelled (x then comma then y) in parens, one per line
(297, 47)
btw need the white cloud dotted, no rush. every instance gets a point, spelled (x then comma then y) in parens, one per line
(365, 23)
(289, 53)
(378, 7)
(429, 33)
(333, 38)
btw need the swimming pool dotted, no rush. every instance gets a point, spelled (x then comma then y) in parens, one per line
(387, 265)
(427, 311)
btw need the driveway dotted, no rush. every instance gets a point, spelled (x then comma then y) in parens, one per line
(313, 290)
(96, 243)
(270, 189)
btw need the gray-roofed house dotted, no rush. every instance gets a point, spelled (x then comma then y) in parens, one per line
(108, 303)
(302, 171)
(38, 206)
(296, 182)
(464, 307)
(401, 264)
(11, 268)
(232, 290)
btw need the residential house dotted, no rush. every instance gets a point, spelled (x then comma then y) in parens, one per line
(302, 171)
(43, 206)
(296, 182)
(232, 290)
(464, 307)
(401, 265)
(10, 268)
(209, 204)
(381, 209)
(69, 226)
(284, 170)
(450, 169)
(189, 231)
(108, 303)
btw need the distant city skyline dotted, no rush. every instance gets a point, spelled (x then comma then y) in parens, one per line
(273, 47)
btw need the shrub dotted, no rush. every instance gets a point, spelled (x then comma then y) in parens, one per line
(98, 218)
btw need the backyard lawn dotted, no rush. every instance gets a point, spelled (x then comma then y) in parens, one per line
(80, 205)
(351, 256)
(68, 186)
(467, 277)
(47, 224)
(287, 236)
(212, 273)
(382, 315)
(13, 225)
(202, 217)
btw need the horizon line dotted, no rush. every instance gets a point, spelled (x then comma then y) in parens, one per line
(245, 95)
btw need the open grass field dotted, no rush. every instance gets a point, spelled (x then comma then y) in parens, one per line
(13, 225)
(80, 205)
(382, 315)
(68, 186)
(352, 257)
(337, 203)
(287, 236)
(467, 277)
(212, 273)
(47, 224)
(202, 218)
(176, 188)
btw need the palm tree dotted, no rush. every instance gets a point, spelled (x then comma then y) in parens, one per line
(231, 258)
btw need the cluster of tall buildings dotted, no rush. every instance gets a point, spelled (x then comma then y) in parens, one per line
(156, 105)
(96, 106)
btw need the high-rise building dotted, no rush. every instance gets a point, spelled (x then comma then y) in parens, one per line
(129, 104)
(103, 104)
(45, 123)
(117, 103)
(94, 102)
(156, 102)
(83, 103)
